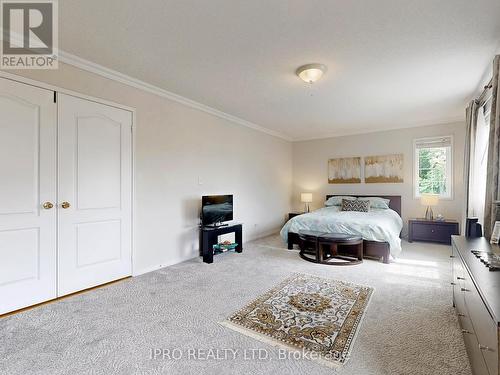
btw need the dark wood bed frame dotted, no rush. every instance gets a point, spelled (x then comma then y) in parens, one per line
(370, 248)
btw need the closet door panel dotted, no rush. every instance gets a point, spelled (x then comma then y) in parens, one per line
(19, 155)
(98, 166)
(94, 194)
(27, 181)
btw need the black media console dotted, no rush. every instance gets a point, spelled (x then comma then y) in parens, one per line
(209, 235)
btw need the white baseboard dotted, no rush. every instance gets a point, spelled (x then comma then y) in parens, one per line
(260, 235)
(157, 267)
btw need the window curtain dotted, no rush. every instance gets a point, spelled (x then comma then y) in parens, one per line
(492, 180)
(477, 187)
(470, 144)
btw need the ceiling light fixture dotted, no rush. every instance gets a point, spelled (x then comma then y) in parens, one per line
(311, 73)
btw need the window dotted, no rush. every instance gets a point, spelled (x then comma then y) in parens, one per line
(433, 166)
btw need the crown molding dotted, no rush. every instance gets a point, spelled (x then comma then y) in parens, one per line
(446, 121)
(114, 75)
(111, 74)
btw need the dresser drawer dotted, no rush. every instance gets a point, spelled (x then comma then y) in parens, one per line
(476, 291)
(484, 327)
(434, 232)
(457, 282)
(491, 358)
(458, 299)
(459, 272)
(466, 324)
(475, 356)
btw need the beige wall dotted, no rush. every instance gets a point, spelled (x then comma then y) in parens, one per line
(310, 170)
(178, 147)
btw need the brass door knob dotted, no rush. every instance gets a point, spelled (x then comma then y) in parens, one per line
(65, 205)
(47, 205)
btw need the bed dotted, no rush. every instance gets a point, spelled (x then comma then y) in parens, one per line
(380, 229)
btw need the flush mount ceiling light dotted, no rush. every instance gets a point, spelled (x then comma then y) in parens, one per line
(311, 73)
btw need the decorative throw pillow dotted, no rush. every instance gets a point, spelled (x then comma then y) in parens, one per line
(377, 202)
(357, 205)
(337, 201)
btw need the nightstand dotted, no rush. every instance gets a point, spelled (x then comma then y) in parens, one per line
(432, 230)
(293, 214)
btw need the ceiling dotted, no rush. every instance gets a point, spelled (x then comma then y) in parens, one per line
(391, 63)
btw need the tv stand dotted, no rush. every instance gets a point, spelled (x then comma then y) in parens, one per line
(216, 225)
(209, 235)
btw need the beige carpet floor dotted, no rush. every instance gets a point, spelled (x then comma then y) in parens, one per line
(409, 326)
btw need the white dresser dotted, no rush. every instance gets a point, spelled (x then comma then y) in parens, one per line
(476, 297)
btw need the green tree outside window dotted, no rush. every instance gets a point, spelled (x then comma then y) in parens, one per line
(432, 170)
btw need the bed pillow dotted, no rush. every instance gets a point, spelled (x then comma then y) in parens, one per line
(337, 201)
(355, 205)
(377, 202)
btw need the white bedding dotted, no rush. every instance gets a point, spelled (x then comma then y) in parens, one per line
(376, 225)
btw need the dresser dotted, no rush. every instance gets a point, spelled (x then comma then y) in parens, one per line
(432, 230)
(476, 298)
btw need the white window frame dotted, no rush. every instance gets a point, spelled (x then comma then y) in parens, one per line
(449, 165)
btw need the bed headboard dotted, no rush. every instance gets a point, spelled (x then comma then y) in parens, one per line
(394, 204)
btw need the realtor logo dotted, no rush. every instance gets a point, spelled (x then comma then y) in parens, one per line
(29, 31)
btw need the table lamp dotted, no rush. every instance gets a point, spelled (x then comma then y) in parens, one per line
(429, 200)
(306, 198)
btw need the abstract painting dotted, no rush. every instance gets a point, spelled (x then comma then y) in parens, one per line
(344, 171)
(384, 169)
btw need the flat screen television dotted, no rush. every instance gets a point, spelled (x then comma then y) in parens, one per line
(216, 209)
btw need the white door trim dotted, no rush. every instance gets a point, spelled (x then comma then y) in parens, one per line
(57, 89)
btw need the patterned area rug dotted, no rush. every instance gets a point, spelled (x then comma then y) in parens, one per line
(309, 314)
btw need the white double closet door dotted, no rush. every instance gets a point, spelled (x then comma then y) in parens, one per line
(65, 194)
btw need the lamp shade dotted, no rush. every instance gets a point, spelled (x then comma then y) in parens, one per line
(306, 197)
(429, 200)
